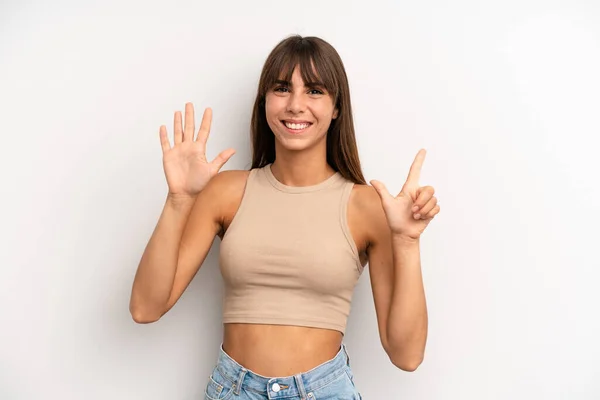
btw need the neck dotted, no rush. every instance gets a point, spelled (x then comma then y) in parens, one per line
(301, 168)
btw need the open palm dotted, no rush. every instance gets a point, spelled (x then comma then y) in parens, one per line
(186, 168)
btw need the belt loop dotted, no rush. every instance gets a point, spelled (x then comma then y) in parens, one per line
(347, 355)
(240, 379)
(300, 385)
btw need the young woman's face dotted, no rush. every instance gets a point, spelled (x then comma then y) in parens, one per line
(299, 115)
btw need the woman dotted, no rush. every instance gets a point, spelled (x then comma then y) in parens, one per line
(296, 230)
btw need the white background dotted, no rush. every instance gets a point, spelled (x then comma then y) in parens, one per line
(505, 96)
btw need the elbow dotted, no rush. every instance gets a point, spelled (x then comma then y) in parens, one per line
(408, 365)
(402, 360)
(405, 353)
(144, 316)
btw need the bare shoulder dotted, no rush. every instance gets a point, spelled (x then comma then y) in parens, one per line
(365, 215)
(229, 183)
(227, 189)
(365, 200)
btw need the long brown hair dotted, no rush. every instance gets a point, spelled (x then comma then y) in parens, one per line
(308, 53)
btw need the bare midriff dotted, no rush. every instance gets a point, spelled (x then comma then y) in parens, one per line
(279, 350)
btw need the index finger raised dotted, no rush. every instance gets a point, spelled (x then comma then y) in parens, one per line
(415, 169)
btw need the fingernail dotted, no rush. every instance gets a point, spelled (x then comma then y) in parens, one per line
(417, 216)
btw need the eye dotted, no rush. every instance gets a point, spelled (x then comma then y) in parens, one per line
(281, 89)
(316, 91)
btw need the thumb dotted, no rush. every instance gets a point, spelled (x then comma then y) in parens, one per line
(384, 194)
(222, 158)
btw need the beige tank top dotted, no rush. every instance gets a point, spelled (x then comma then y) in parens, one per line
(288, 257)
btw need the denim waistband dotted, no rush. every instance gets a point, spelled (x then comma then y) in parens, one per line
(286, 386)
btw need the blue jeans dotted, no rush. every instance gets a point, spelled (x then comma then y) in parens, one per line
(331, 380)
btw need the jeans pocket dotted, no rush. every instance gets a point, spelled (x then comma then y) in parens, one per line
(350, 374)
(341, 388)
(351, 378)
(218, 388)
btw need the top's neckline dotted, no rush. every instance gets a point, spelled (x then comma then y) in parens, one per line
(299, 189)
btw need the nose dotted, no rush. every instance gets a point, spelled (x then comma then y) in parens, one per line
(296, 102)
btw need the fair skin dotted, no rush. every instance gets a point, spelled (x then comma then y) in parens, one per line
(202, 204)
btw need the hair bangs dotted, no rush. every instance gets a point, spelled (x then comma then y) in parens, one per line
(314, 68)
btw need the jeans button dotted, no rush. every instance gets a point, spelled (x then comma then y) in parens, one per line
(276, 388)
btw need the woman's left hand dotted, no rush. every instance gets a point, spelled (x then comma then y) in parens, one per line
(409, 213)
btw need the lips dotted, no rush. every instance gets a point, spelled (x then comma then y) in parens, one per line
(296, 126)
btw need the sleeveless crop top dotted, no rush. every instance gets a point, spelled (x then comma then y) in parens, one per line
(288, 257)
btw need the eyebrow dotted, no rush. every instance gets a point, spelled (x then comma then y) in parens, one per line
(308, 85)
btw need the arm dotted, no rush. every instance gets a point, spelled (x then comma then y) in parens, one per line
(399, 295)
(176, 250)
(395, 261)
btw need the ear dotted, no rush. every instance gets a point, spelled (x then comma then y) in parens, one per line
(335, 114)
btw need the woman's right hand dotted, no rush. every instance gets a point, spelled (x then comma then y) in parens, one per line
(186, 168)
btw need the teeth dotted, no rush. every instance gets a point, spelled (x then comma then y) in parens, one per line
(296, 126)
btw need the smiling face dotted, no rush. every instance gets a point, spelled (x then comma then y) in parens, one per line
(299, 113)
(314, 92)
